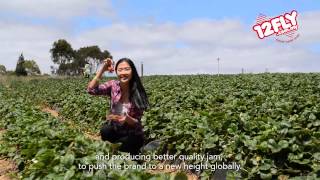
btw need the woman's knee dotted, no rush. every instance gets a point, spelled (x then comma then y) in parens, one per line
(132, 144)
(107, 133)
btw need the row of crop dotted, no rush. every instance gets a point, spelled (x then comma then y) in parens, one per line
(241, 117)
(268, 123)
(68, 97)
(46, 148)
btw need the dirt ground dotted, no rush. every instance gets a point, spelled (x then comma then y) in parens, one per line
(7, 167)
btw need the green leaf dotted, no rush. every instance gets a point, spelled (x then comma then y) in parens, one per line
(180, 176)
(283, 144)
(304, 161)
(316, 156)
(251, 144)
(273, 146)
(100, 174)
(295, 147)
(263, 146)
(316, 123)
(69, 174)
(68, 159)
(292, 156)
(312, 117)
(265, 166)
(265, 176)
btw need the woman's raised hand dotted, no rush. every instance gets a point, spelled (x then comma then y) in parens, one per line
(108, 65)
(115, 117)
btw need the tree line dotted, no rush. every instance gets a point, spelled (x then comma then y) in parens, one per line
(23, 68)
(72, 62)
(68, 61)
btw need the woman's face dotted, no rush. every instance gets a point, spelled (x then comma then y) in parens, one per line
(124, 72)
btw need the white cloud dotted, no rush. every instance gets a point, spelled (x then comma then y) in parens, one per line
(33, 41)
(309, 26)
(169, 48)
(202, 42)
(57, 9)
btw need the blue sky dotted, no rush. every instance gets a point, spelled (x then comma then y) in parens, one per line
(180, 11)
(159, 32)
(160, 11)
(135, 11)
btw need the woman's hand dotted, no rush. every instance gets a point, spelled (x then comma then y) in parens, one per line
(118, 118)
(107, 65)
(122, 119)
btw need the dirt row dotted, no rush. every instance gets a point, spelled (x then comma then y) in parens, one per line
(55, 114)
(8, 168)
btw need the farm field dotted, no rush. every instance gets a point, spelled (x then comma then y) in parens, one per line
(268, 124)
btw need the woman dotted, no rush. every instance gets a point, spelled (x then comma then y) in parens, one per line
(128, 102)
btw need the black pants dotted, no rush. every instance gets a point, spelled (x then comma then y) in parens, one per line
(114, 133)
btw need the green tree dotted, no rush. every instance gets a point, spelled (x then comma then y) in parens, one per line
(90, 55)
(20, 70)
(31, 67)
(62, 52)
(3, 69)
(72, 62)
(63, 55)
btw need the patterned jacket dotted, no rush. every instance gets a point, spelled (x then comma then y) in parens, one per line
(112, 89)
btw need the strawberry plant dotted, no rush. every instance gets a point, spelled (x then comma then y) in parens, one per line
(267, 123)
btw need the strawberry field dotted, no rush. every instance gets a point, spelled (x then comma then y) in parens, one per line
(269, 124)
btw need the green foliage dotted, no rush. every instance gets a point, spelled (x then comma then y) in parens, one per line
(31, 67)
(47, 148)
(267, 123)
(62, 52)
(70, 61)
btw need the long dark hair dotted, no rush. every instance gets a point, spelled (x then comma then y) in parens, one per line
(137, 94)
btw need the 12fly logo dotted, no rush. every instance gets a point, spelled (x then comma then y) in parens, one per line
(284, 26)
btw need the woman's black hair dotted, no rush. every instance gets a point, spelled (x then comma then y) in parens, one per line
(138, 94)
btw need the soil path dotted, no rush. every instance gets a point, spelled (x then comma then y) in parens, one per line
(7, 167)
(55, 113)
